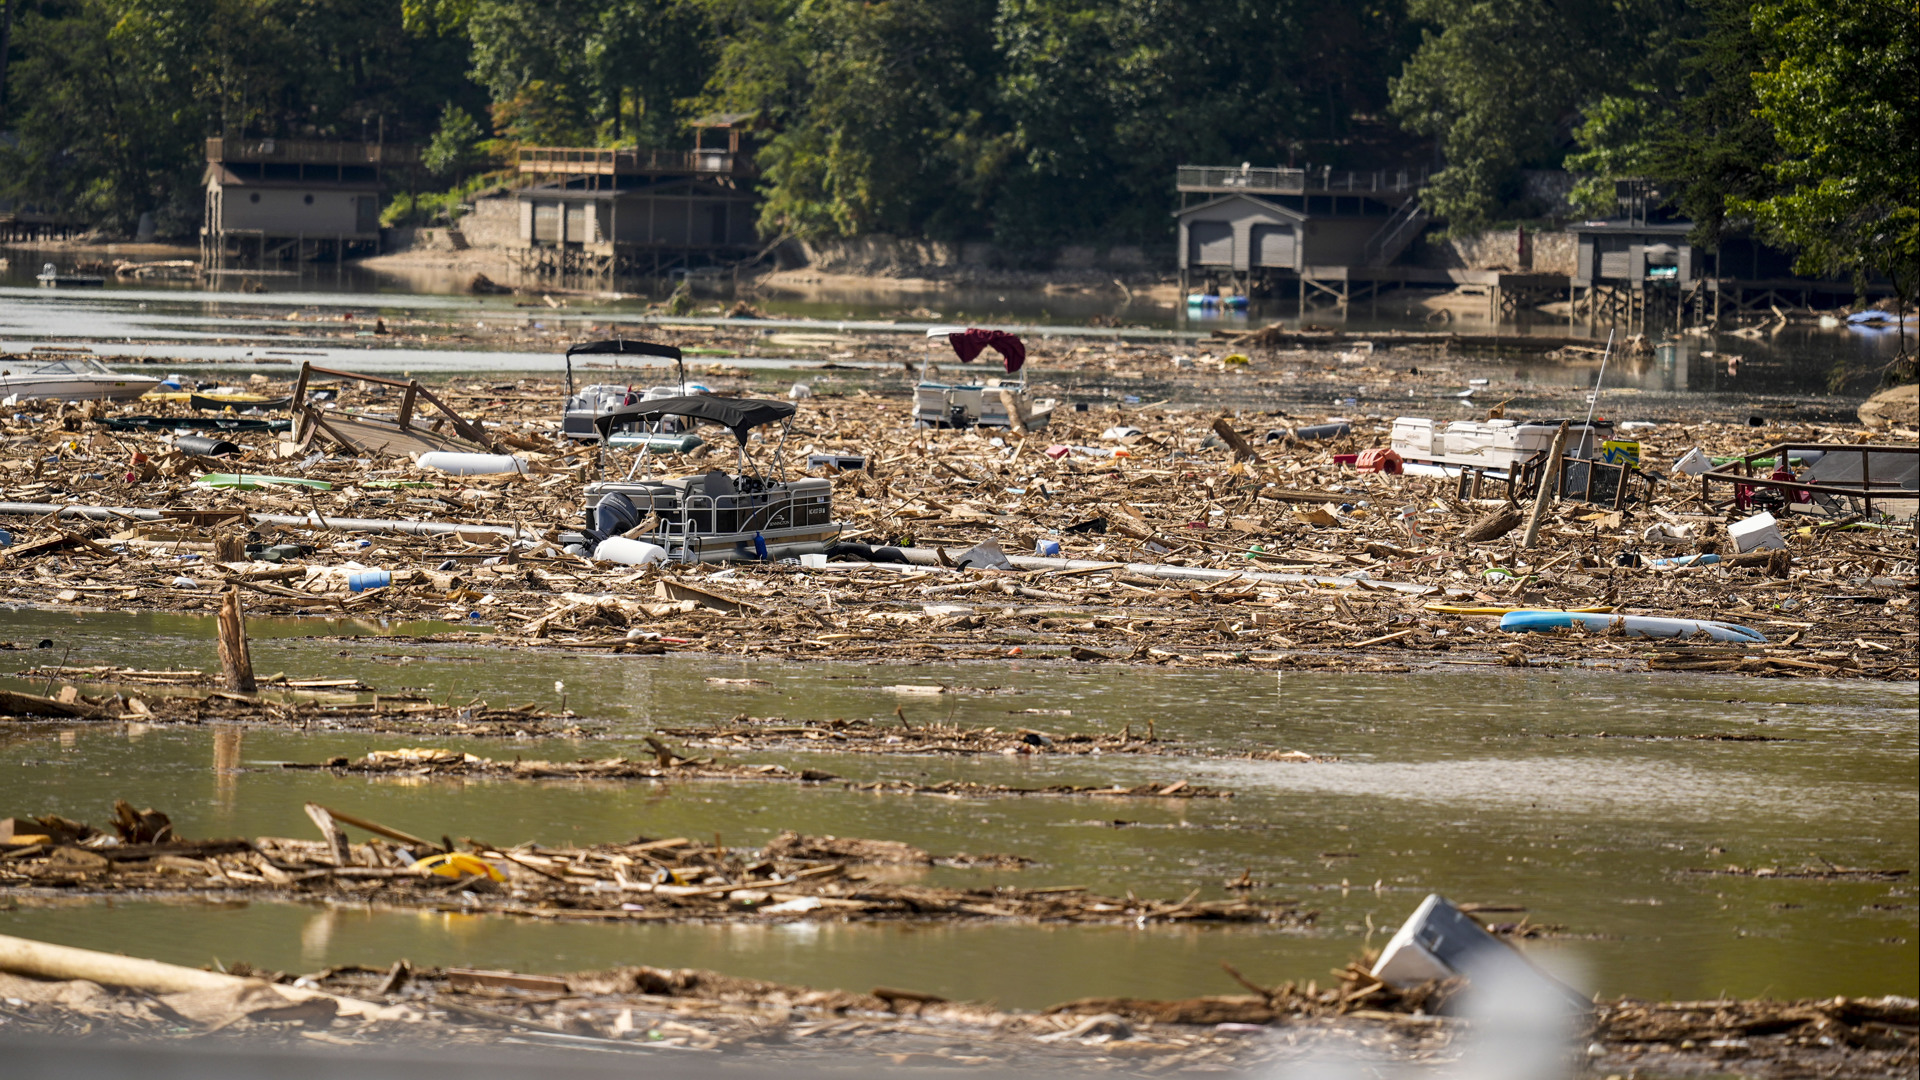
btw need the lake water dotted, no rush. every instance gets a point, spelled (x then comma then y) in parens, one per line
(1488, 785)
(190, 329)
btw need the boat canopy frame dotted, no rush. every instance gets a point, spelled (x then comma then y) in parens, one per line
(627, 347)
(738, 415)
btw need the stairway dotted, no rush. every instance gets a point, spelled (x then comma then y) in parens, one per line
(1392, 238)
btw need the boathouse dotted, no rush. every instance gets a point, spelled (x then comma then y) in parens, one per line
(297, 200)
(607, 213)
(1330, 238)
(1639, 270)
(1269, 231)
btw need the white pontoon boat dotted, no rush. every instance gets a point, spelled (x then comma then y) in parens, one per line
(715, 516)
(992, 403)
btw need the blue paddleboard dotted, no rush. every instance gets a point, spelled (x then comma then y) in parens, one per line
(1636, 625)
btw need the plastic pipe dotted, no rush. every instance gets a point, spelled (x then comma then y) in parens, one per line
(340, 524)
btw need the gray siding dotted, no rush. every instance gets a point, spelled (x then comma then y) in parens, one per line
(1221, 234)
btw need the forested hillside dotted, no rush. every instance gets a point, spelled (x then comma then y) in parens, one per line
(1031, 122)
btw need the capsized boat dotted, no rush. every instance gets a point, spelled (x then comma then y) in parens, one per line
(992, 403)
(746, 515)
(70, 378)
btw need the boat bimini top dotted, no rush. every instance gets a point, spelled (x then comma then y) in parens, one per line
(624, 347)
(738, 415)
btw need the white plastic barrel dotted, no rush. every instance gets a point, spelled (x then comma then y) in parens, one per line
(472, 464)
(631, 552)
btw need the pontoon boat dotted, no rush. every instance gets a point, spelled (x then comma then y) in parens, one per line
(714, 516)
(994, 403)
(593, 401)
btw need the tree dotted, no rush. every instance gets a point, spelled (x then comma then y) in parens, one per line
(1502, 84)
(455, 145)
(883, 111)
(1715, 146)
(1108, 97)
(107, 123)
(1837, 86)
(112, 98)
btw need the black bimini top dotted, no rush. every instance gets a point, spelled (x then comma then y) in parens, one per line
(740, 415)
(622, 345)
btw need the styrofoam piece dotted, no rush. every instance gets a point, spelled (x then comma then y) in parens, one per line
(620, 549)
(1668, 534)
(472, 464)
(1693, 463)
(1757, 533)
(814, 560)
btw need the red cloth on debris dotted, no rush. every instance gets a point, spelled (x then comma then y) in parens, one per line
(968, 343)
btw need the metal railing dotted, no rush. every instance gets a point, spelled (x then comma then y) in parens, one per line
(1232, 178)
(595, 161)
(310, 152)
(1396, 233)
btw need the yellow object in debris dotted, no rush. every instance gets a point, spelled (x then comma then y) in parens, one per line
(1463, 609)
(455, 864)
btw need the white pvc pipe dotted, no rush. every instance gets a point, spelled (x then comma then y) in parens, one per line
(472, 464)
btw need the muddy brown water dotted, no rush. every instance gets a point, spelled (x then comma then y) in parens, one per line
(1488, 785)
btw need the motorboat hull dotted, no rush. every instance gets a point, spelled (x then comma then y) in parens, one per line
(74, 388)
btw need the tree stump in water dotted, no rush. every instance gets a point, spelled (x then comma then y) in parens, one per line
(235, 661)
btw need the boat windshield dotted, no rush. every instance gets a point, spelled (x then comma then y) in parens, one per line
(75, 365)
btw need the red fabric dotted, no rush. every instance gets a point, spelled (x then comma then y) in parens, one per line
(967, 344)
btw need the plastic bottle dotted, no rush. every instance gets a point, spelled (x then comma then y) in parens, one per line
(619, 549)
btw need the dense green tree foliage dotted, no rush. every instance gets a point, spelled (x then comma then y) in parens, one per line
(1839, 87)
(1032, 122)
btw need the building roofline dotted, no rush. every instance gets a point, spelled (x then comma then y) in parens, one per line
(1284, 211)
